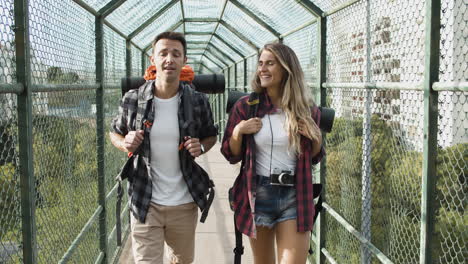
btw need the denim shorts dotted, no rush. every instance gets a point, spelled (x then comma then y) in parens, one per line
(274, 203)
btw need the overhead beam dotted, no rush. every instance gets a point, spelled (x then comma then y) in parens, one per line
(239, 35)
(86, 7)
(110, 7)
(256, 18)
(206, 67)
(215, 63)
(222, 53)
(229, 45)
(198, 33)
(195, 53)
(311, 7)
(209, 52)
(197, 42)
(153, 18)
(205, 19)
(217, 24)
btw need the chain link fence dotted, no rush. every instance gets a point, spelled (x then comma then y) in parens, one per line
(376, 71)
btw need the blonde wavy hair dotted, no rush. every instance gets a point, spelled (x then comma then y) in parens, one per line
(295, 98)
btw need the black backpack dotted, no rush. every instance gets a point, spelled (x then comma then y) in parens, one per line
(317, 187)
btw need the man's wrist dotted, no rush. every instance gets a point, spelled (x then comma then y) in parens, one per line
(202, 147)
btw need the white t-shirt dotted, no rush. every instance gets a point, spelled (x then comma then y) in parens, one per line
(169, 187)
(282, 157)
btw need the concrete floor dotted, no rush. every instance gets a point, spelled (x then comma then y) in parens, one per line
(215, 238)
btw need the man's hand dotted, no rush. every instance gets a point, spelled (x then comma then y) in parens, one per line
(133, 140)
(193, 146)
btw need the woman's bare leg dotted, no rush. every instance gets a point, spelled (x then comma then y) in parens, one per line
(263, 247)
(293, 246)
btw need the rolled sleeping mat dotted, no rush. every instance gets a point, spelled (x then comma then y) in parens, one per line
(326, 119)
(204, 83)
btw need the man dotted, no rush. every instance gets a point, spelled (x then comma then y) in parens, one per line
(164, 196)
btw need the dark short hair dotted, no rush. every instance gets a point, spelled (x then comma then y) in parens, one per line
(172, 36)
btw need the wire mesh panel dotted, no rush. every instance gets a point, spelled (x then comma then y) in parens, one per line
(200, 26)
(251, 69)
(10, 206)
(453, 47)
(204, 38)
(396, 173)
(97, 4)
(7, 47)
(136, 61)
(133, 13)
(232, 82)
(247, 26)
(234, 40)
(226, 49)
(218, 62)
(343, 246)
(450, 245)
(397, 41)
(282, 15)
(202, 8)
(114, 58)
(304, 44)
(346, 44)
(344, 154)
(62, 43)
(114, 70)
(240, 75)
(328, 5)
(161, 24)
(65, 168)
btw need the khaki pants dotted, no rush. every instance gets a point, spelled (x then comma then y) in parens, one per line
(173, 224)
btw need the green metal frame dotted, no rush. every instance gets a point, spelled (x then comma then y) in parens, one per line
(100, 130)
(25, 133)
(239, 35)
(322, 75)
(211, 46)
(229, 45)
(110, 7)
(217, 24)
(431, 105)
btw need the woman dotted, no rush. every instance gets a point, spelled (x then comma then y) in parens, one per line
(272, 196)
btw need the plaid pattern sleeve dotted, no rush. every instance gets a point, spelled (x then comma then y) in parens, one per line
(205, 117)
(125, 120)
(238, 113)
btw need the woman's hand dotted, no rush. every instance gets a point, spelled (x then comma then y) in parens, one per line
(251, 126)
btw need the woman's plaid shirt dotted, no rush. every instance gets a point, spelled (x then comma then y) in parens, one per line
(244, 188)
(140, 189)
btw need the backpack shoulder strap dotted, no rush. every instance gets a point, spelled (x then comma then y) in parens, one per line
(253, 103)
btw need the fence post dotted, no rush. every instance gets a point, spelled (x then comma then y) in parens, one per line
(245, 76)
(431, 75)
(128, 58)
(366, 195)
(100, 135)
(322, 75)
(25, 132)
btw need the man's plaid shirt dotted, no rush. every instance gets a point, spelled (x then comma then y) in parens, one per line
(244, 188)
(140, 189)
